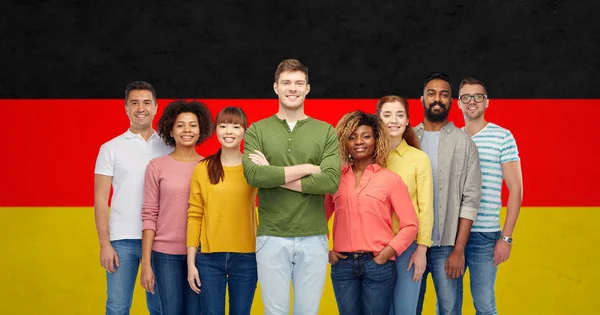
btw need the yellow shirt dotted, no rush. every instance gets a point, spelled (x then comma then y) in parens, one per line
(414, 167)
(222, 217)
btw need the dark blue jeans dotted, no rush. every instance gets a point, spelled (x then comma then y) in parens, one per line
(363, 287)
(176, 296)
(448, 291)
(237, 271)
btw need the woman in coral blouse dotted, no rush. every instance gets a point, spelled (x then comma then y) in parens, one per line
(183, 125)
(363, 270)
(414, 167)
(221, 229)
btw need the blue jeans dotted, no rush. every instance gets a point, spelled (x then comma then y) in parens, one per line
(301, 259)
(176, 296)
(120, 284)
(479, 254)
(406, 293)
(448, 291)
(237, 271)
(361, 286)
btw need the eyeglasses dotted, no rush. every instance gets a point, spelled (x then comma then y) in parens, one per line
(465, 98)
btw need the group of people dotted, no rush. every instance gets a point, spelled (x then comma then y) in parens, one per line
(407, 202)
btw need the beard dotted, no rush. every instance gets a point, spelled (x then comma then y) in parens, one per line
(436, 117)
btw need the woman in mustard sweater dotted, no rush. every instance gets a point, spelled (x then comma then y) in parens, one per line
(413, 165)
(221, 227)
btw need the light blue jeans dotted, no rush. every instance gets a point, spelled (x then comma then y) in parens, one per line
(120, 284)
(301, 259)
(406, 293)
(479, 255)
(448, 291)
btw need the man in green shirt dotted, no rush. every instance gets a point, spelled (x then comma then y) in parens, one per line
(293, 159)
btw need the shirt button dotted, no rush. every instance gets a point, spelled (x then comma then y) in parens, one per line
(289, 139)
(289, 150)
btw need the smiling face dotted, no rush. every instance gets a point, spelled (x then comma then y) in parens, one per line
(186, 130)
(292, 89)
(472, 110)
(230, 135)
(361, 143)
(141, 108)
(436, 100)
(394, 117)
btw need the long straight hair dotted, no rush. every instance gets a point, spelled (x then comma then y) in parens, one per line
(228, 115)
(409, 134)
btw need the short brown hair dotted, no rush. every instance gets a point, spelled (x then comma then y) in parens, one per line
(472, 81)
(139, 85)
(291, 65)
(409, 134)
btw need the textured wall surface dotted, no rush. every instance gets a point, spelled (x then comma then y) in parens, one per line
(354, 49)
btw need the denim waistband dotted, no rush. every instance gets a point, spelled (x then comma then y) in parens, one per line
(358, 254)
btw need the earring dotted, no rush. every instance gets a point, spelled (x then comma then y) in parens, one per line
(350, 158)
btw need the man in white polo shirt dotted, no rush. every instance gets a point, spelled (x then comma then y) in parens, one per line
(121, 163)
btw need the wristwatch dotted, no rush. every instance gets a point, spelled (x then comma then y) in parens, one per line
(507, 239)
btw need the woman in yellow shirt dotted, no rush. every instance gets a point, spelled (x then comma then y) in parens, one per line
(221, 228)
(413, 165)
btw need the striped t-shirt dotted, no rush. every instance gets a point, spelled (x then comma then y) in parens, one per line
(496, 146)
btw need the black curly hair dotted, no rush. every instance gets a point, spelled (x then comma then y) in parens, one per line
(167, 120)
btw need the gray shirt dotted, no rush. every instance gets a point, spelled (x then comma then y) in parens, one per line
(457, 181)
(430, 144)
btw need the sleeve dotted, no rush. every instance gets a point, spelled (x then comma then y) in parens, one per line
(425, 202)
(407, 217)
(104, 162)
(471, 196)
(328, 180)
(150, 207)
(259, 176)
(508, 150)
(196, 209)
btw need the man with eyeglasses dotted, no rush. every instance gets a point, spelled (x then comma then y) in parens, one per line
(457, 191)
(488, 245)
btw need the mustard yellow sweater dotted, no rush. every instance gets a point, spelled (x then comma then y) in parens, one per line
(221, 217)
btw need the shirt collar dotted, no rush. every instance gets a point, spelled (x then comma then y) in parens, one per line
(373, 167)
(448, 127)
(401, 148)
(130, 135)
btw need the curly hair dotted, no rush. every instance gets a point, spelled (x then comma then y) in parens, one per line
(174, 109)
(349, 122)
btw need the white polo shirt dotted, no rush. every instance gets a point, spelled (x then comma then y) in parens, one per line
(125, 159)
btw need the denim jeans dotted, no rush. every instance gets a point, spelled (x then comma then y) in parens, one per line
(406, 293)
(237, 271)
(361, 286)
(448, 291)
(176, 296)
(120, 284)
(479, 254)
(301, 259)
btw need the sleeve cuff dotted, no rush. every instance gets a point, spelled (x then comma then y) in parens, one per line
(468, 213)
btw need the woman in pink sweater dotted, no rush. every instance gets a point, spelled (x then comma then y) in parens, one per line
(183, 125)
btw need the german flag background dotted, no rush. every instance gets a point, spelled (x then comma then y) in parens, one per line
(65, 66)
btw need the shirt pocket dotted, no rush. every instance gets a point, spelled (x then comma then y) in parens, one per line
(381, 197)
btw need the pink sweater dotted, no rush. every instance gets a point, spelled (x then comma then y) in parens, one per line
(166, 195)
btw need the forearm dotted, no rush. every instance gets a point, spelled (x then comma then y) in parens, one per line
(513, 207)
(296, 172)
(101, 218)
(293, 185)
(464, 229)
(147, 241)
(191, 256)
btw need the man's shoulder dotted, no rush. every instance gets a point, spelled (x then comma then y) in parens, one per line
(114, 142)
